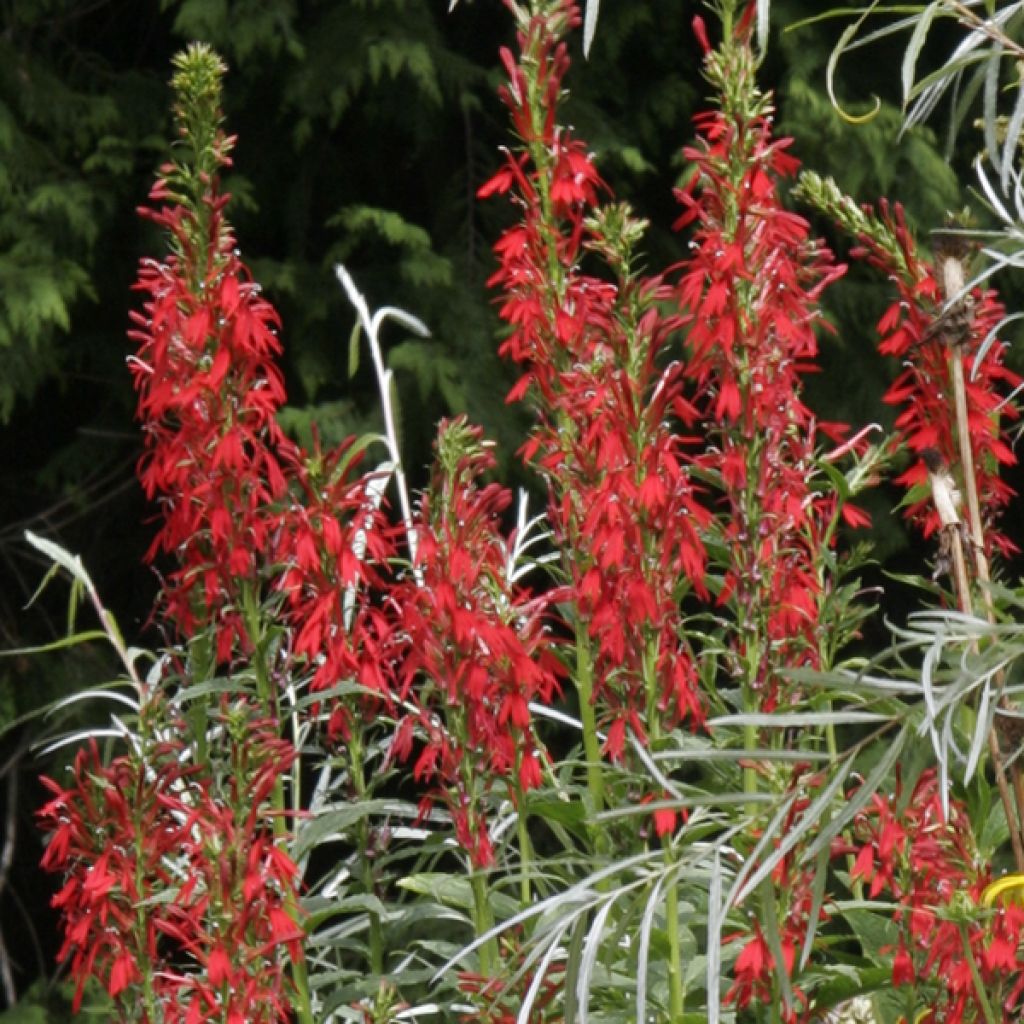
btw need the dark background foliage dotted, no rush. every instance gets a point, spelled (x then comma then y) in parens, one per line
(365, 127)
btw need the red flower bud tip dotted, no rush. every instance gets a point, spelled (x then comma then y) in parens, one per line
(701, 32)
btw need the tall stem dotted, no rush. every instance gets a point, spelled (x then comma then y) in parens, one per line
(358, 776)
(952, 281)
(676, 992)
(523, 833)
(267, 696)
(588, 718)
(483, 920)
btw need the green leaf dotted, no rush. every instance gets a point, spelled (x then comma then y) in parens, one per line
(876, 932)
(321, 910)
(353, 349)
(913, 50)
(833, 62)
(454, 891)
(56, 645)
(571, 813)
(327, 825)
(59, 556)
(840, 988)
(573, 957)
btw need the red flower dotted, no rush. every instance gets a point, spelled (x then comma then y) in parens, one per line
(474, 649)
(930, 865)
(145, 829)
(902, 966)
(606, 401)
(664, 821)
(750, 296)
(208, 394)
(923, 390)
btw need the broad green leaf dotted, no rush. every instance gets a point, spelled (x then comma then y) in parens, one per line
(876, 932)
(329, 824)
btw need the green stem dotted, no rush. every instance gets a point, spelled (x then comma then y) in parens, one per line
(267, 697)
(749, 774)
(979, 987)
(675, 972)
(588, 717)
(525, 849)
(355, 753)
(727, 13)
(676, 992)
(484, 922)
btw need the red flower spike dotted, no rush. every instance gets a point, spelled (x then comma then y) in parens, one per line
(122, 825)
(590, 349)
(208, 394)
(923, 389)
(749, 294)
(474, 649)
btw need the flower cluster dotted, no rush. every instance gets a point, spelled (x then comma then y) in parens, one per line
(331, 542)
(750, 292)
(622, 499)
(208, 392)
(954, 949)
(176, 900)
(245, 510)
(915, 330)
(476, 649)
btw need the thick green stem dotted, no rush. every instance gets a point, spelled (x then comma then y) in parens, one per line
(483, 920)
(676, 992)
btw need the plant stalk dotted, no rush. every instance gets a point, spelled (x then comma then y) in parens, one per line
(952, 281)
(356, 773)
(676, 992)
(483, 920)
(523, 833)
(268, 699)
(588, 718)
(979, 985)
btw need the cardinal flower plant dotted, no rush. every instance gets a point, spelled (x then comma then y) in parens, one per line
(429, 756)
